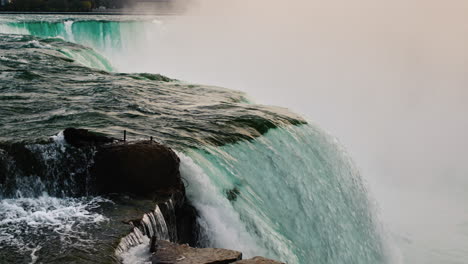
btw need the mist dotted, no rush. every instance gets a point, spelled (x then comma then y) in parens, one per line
(387, 78)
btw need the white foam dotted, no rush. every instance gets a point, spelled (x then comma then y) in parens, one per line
(7, 29)
(23, 218)
(3, 58)
(59, 138)
(138, 254)
(37, 44)
(69, 31)
(219, 221)
(34, 257)
(135, 248)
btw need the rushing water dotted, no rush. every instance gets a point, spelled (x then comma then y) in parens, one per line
(290, 202)
(264, 181)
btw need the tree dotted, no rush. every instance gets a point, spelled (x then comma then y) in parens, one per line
(57, 5)
(85, 6)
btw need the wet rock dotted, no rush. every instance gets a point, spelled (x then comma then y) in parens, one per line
(144, 169)
(232, 194)
(82, 137)
(187, 226)
(153, 244)
(258, 260)
(24, 160)
(167, 252)
(168, 210)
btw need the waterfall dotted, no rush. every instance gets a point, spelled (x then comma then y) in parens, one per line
(293, 194)
(135, 247)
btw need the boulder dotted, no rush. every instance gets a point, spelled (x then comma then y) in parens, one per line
(143, 169)
(167, 252)
(258, 260)
(82, 137)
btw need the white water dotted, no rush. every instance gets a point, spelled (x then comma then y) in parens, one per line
(139, 254)
(219, 221)
(135, 247)
(82, 55)
(22, 220)
(69, 30)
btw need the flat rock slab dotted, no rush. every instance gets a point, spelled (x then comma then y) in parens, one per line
(167, 252)
(144, 169)
(82, 137)
(258, 260)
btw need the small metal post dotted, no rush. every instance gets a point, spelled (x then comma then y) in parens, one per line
(125, 135)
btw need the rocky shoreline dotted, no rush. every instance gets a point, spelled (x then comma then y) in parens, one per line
(149, 170)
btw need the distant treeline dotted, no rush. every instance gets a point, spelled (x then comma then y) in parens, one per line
(62, 5)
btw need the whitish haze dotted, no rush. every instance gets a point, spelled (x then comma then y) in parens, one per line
(388, 78)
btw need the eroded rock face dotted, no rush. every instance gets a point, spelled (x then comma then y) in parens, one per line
(258, 260)
(142, 169)
(167, 252)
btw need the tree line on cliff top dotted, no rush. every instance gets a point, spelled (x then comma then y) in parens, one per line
(61, 5)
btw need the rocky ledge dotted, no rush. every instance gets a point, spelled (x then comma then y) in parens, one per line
(142, 169)
(165, 252)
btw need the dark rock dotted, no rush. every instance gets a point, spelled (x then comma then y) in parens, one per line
(4, 166)
(232, 194)
(183, 254)
(258, 260)
(187, 227)
(24, 159)
(153, 244)
(142, 169)
(83, 137)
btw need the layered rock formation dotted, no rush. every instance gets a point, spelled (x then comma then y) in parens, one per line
(167, 252)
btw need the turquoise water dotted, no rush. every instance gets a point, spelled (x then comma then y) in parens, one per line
(114, 39)
(298, 198)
